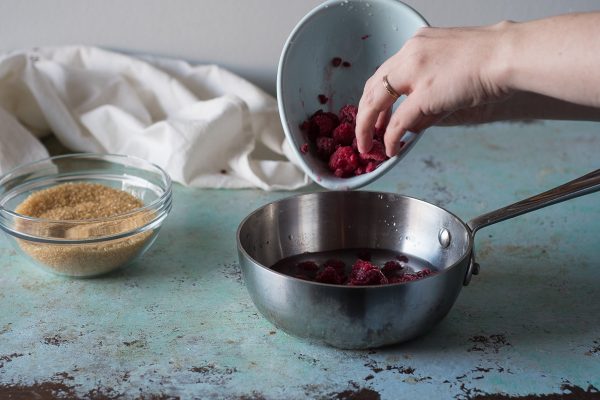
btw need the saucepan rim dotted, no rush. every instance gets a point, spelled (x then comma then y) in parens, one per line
(466, 254)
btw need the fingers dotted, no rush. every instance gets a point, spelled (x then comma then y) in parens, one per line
(383, 119)
(374, 102)
(408, 117)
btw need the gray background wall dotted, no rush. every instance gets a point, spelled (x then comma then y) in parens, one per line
(245, 36)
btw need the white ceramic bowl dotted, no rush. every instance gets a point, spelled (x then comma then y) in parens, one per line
(363, 33)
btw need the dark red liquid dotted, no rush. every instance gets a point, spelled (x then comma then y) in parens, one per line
(308, 266)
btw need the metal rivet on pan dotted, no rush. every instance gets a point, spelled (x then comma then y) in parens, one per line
(444, 237)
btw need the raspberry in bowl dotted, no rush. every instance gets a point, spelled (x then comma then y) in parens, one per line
(323, 67)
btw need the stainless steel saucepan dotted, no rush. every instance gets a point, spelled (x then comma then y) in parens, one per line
(357, 317)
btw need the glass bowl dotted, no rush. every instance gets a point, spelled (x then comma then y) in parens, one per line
(87, 247)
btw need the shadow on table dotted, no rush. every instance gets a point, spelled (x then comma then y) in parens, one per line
(540, 305)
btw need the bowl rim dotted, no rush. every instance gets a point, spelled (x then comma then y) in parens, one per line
(162, 205)
(332, 182)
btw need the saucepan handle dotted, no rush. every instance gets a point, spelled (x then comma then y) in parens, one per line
(586, 184)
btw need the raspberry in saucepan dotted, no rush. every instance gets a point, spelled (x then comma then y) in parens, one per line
(409, 277)
(391, 268)
(365, 273)
(307, 266)
(338, 265)
(330, 275)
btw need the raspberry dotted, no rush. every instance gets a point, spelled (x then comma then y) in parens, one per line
(323, 99)
(371, 166)
(329, 275)
(320, 124)
(336, 61)
(423, 273)
(411, 277)
(338, 265)
(346, 64)
(377, 152)
(307, 266)
(391, 268)
(348, 114)
(362, 265)
(400, 279)
(325, 122)
(310, 129)
(344, 161)
(365, 273)
(334, 139)
(325, 147)
(379, 132)
(344, 134)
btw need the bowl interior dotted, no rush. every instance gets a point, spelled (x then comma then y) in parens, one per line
(362, 33)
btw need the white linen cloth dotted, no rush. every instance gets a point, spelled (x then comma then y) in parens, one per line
(206, 126)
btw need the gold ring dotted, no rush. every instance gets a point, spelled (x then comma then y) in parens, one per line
(389, 88)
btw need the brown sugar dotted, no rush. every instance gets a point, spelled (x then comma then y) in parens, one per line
(78, 201)
(80, 211)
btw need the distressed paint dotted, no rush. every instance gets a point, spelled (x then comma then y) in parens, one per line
(180, 324)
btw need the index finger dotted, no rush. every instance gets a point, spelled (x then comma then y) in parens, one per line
(375, 100)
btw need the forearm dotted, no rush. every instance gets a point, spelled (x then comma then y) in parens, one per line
(557, 57)
(522, 106)
(526, 105)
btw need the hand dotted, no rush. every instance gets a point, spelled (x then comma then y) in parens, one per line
(547, 68)
(441, 71)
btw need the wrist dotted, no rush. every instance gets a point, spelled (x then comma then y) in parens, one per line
(501, 64)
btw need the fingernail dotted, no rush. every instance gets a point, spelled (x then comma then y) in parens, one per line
(393, 150)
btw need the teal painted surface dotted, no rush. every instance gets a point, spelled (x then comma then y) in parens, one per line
(179, 322)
